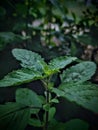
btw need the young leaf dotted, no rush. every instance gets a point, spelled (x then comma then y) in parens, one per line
(32, 60)
(29, 59)
(28, 97)
(46, 107)
(60, 62)
(52, 112)
(79, 73)
(58, 92)
(13, 116)
(74, 124)
(54, 100)
(19, 77)
(85, 95)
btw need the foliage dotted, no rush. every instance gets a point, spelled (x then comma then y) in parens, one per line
(25, 96)
(9, 37)
(74, 124)
(85, 95)
(78, 73)
(17, 77)
(74, 87)
(63, 28)
(12, 115)
(29, 59)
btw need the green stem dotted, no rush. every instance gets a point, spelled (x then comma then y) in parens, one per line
(45, 83)
(47, 112)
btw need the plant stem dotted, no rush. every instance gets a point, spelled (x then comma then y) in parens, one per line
(47, 112)
(45, 83)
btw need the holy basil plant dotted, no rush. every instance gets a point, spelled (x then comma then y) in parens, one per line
(75, 87)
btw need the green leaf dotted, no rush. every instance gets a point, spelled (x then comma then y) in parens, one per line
(74, 124)
(34, 111)
(58, 92)
(54, 100)
(19, 77)
(46, 107)
(29, 59)
(79, 73)
(13, 116)
(88, 40)
(85, 95)
(20, 25)
(73, 48)
(34, 61)
(42, 99)
(59, 6)
(60, 62)
(52, 112)
(9, 37)
(53, 124)
(35, 122)
(28, 97)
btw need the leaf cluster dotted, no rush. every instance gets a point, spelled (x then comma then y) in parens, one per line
(75, 87)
